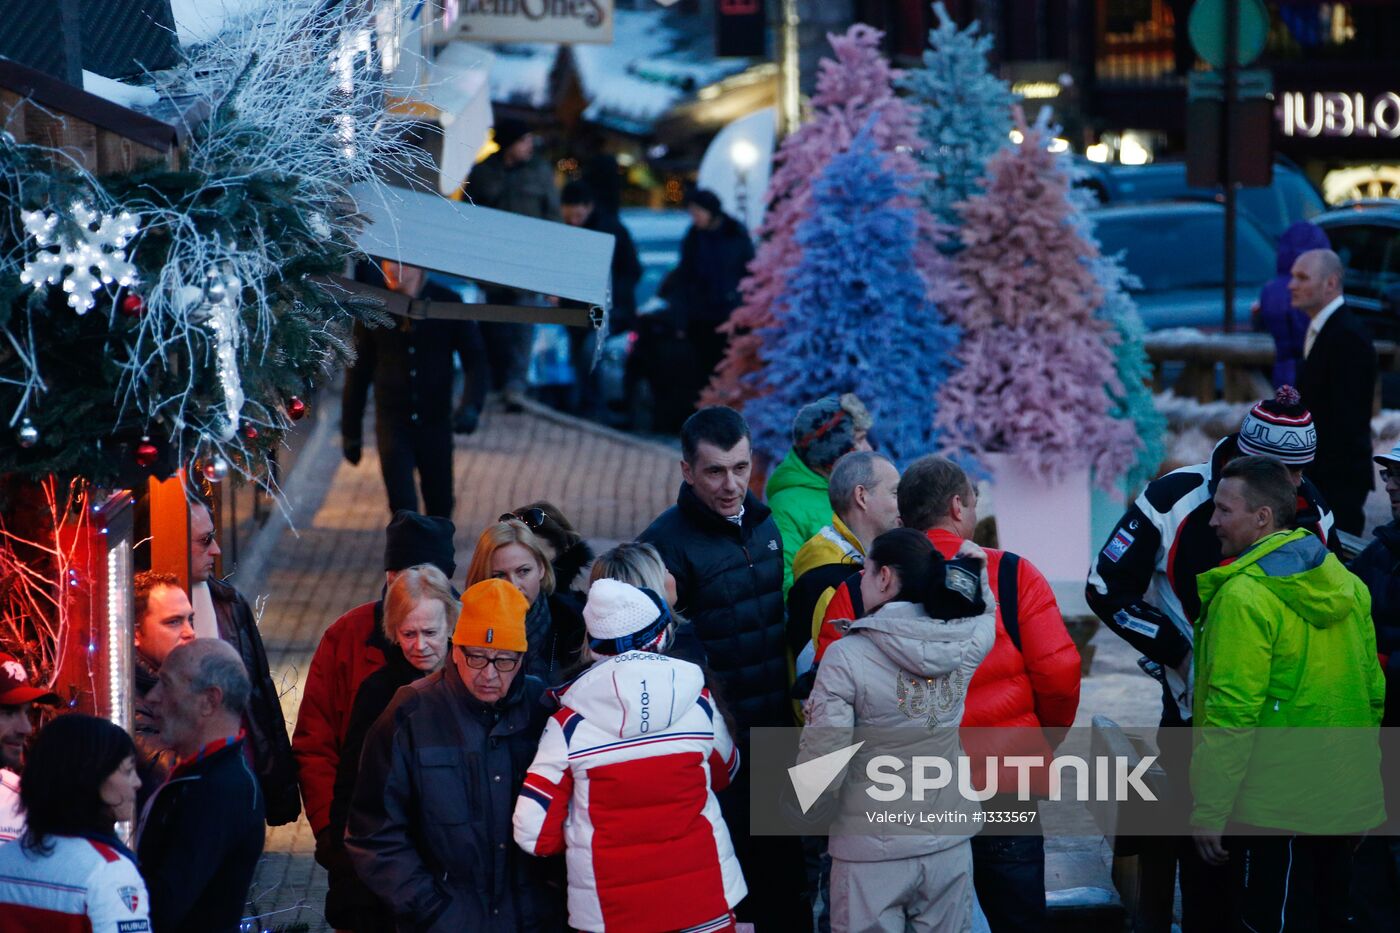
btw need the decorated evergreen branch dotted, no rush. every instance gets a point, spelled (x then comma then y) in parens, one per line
(164, 318)
(858, 317)
(1039, 377)
(964, 112)
(852, 87)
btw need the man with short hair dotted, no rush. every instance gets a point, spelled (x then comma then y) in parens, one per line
(1143, 586)
(221, 611)
(513, 179)
(704, 288)
(863, 493)
(430, 829)
(17, 698)
(1030, 679)
(201, 833)
(1338, 384)
(164, 621)
(351, 649)
(822, 433)
(726, 554)
(579, 208)
(1284, 647)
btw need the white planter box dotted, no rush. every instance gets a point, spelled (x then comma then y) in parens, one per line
(1047, 523)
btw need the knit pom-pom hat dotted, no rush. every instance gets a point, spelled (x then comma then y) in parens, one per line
(621, 617)
(1279, 427)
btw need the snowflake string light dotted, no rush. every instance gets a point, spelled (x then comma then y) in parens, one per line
(96, 258)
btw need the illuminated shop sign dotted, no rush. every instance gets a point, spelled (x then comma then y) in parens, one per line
(1346, 114)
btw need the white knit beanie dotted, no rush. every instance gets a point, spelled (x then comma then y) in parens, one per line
(616, 610)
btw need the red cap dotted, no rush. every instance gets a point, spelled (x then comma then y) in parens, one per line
(14, 684)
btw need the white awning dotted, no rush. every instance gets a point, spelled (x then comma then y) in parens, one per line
(484, 245)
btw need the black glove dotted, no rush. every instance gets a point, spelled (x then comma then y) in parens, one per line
(352, 452)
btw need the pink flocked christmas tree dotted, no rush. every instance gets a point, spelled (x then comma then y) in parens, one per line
(1037, 364)
(855, 85)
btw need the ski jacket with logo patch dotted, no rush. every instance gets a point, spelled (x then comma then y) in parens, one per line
(624, 785)
(81, 886)
(1143, 583)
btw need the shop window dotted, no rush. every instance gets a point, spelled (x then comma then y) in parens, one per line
(1138, 40)
(1363, 251)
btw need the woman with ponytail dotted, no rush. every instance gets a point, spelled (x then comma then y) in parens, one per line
(905, 665)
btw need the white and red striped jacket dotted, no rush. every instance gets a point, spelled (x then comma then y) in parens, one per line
(624, 784)
(82, 886)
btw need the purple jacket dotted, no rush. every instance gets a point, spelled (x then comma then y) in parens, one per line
(1277, 315)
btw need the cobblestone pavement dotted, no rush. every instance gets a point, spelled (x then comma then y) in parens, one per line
(608, 484)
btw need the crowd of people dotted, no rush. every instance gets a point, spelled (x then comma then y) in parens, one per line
(559, 741)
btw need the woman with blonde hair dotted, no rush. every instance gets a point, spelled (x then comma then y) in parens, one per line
(510, 551)
(420, 610)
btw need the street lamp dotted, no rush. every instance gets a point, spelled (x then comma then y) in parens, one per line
(745, 156)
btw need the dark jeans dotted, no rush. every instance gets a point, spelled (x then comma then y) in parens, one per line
(1375, 885)
(405, 447)
(1009, 874)
(818, 887)
(1204, 887)
(1290, 884)
(772, 865)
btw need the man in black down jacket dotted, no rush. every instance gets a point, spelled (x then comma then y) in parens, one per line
(263, 720)
(1376, 876)
(429, 829)
(410, 366)
(201, 834)
(704, 289)
(724, 549)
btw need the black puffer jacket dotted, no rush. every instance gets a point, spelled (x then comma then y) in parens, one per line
(430, 822)
(1379, 568)
(267, 728)
(350, 904)
(729, 583)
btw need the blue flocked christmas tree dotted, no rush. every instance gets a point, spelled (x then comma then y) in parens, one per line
(858, 315)
(964, 112)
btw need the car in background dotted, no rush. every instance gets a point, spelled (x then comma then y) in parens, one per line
(1274, 209)
(1176, 252)
(1366, 235)
(632, 370)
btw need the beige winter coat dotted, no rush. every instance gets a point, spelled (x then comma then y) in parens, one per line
(899, 670)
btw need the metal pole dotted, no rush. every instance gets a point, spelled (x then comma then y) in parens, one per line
(1227, 152)
(789, 71)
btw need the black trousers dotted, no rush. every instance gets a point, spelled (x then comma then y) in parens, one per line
(1291, 884)
(427, 448)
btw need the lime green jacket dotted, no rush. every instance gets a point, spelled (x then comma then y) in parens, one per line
(797, 494)
(1289, 693)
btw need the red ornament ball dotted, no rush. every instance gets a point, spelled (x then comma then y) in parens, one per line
(146, 452)
(296, 408)
(250, 432)
(133, 305)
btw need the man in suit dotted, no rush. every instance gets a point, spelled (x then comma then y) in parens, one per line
(1338, 383)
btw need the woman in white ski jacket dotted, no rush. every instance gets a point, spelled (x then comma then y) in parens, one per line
(625, 777)
(906, 666)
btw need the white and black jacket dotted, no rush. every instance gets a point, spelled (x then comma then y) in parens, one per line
(1143, 582)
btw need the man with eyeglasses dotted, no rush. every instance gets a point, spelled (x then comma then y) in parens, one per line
(220, 611)
(430, 828)
(1376, 874)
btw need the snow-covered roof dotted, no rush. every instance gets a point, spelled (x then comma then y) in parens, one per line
(520, 74)
(127, 95)
(656, 60)
(199, 21)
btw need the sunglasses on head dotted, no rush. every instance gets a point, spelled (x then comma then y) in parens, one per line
(533, 518)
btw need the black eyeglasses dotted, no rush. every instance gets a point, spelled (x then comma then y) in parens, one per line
(533, 518)
(478, 662)
(205, 540)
